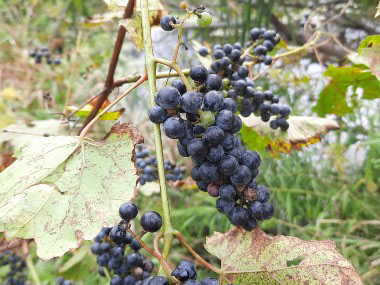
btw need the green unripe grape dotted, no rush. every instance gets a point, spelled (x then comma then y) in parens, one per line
(224, 93)
(225, 82)
(207, 118)
(204, 20)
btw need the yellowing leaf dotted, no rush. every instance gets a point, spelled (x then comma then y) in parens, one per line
(369, 54)
(250, 258)
(134, 30)
(302, 131)
(61, 191)
(86, 110)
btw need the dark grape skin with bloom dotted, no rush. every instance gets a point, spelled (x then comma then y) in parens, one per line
(206, 126)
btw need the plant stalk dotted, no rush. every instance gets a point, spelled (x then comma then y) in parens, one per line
(32, 270)
(151, 71)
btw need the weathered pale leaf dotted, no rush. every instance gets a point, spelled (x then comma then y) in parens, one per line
(86, 111)
(255, 258)
(156, 11)
(378, 10)
(205, 60)
(100, 19)
(302, 131)
(61, 191)
(116, 5)
(22, 132)
(134, 30)
(333, 99)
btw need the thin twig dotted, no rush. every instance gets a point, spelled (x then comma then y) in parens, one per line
(176, 68)
(159, 257)
(108, 86)
(155, 243)
(196, 255)
(105, 110)
(133, 78)
(30, 264)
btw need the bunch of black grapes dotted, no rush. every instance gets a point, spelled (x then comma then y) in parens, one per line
(17, 274)
(204, 122)
(40, 53)
(147, 166)
(186, 272)
(118, 252)
(229, 65)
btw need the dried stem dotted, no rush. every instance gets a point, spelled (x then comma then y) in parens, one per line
(108, 86)
(105, 110)
(196, 255)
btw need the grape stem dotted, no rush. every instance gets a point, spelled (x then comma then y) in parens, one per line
(133, 78)
(107, 273)
(105, 110)
(158, 256)
(196, 255)
(150, 65)
(176, 67)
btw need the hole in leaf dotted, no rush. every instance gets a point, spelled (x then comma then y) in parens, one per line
(294, 262)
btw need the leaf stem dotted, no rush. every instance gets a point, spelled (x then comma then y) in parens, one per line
(105, 110)
(107, 273)
(310, 43)
(32, 269)
(150, 64)
(133, 78)
(196, 255)
(159, 257)
(176, 67)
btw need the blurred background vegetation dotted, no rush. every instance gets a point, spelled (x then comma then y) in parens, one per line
(326, 191)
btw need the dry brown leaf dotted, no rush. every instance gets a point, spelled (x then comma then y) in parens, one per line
(255, 258)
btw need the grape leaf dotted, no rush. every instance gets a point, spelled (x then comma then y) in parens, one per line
(378, 10)
(134, 30)
(303, 131)
(369, 53)
(61, 191)
(333, 98)
(22, 132)
(256, 258)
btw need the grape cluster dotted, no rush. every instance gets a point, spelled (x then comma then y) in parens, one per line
(39, 53)
(229, 65)
(205, 125)
(111, 243)
(61, 281)
(147, 166)
(186, 272)
(16, 274)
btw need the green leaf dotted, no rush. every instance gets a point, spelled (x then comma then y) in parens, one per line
(77, 257)
(333, 98)
(370, 41)
(303, 131)
(369, 54)
(253, 139)
(249, 258)
(61, 191)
